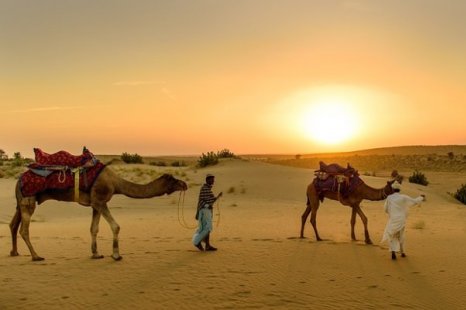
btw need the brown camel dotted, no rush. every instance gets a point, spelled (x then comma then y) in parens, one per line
(105, 186)
(353, 200)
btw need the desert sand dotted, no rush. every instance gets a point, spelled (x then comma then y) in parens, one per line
(261, 262)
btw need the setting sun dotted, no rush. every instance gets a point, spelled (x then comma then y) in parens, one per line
(330, 121)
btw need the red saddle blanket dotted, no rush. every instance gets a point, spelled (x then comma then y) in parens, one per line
(39, 178)
(63, 158)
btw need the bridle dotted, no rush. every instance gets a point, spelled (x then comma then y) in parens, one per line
(384, 194)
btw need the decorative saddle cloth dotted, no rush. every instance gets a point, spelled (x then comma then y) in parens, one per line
(337, 179)
(56, 171)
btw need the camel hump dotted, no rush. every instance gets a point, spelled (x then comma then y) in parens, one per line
(63, 158)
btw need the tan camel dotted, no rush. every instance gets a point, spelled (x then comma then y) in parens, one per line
(354, 199)
(105, 186)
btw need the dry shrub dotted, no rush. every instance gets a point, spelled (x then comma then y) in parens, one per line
(460, 194)
(418, 178)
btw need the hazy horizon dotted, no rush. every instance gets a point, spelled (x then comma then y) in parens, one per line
(256, 77)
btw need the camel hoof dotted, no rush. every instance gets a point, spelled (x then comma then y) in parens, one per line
(37, 259)
(96, 256)
(14, 253)
(368, 241)
(319, 239)
(117, 258)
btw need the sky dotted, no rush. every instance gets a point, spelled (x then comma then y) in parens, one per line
(182, 77)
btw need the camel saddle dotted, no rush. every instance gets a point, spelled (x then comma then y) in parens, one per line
(336, 178)
(57, 171)
(336, 169)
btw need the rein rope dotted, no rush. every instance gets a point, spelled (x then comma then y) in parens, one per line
(384, 195)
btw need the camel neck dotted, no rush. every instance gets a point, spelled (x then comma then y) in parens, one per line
(373, 194)
(134, 190)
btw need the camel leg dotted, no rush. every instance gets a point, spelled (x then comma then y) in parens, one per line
(14, 225)
(94, 232)
(314, 222)
(304, 218)
(27, 207)
(353, 222)
(364, 220)
(115, 229)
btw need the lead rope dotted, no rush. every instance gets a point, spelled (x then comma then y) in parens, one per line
(181, 219)
(217, 203)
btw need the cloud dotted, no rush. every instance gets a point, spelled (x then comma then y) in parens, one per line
(46, 109)
(138, 83)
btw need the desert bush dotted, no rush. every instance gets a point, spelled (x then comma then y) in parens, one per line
(225, 153)
(460, 194)
(3, 155)
(451, 155)
(208, 159)
(231, 190)
(418, 178)
(131, 158)
(18, 160)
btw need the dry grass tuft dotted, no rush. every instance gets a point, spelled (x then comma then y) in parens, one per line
(419, 225)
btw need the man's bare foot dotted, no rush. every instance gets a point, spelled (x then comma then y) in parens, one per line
(199, 246)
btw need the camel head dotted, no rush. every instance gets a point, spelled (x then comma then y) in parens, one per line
(396, 176)
(388, 190)
(172, 184)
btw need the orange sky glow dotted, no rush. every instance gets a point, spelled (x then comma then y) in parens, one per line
(262, 76)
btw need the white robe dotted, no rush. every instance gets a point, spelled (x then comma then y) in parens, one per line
(397, 206)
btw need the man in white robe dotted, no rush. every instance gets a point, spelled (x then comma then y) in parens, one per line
(397, 206)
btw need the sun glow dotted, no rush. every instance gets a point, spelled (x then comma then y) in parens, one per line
(330, 121)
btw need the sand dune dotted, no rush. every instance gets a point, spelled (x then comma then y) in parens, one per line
(261, 262)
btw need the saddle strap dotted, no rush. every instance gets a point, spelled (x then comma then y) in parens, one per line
(75, 171)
